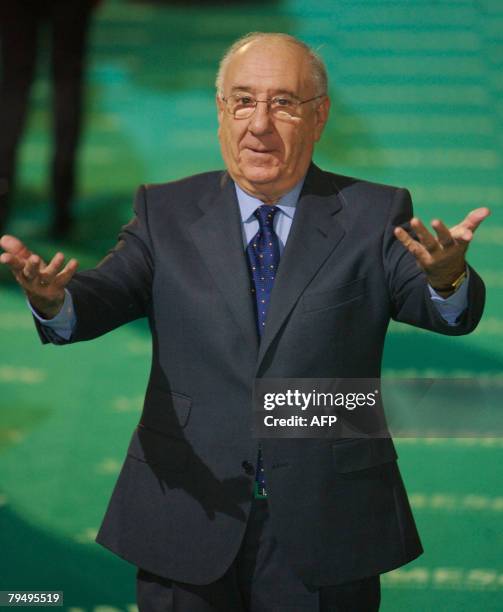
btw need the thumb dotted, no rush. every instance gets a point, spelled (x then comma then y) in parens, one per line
(474, 218)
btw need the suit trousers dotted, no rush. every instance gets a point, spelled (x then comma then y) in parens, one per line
(259, 580)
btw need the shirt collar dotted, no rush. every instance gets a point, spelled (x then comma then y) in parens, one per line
(287, 203)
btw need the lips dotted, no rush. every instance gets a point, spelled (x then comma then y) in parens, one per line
(253, 150)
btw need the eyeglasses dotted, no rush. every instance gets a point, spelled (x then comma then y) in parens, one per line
(242, 106)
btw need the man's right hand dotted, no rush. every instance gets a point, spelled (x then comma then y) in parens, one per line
(44, 284)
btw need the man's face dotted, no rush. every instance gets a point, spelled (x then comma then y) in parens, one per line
(265, 154)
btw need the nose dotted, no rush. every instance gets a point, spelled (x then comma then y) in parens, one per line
(260, 122)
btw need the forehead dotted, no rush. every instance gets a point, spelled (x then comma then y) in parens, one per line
(269, 66)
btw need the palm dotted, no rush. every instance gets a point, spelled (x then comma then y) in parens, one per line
(442, 257)
(43, 283)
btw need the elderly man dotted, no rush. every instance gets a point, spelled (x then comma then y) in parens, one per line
(272, 268)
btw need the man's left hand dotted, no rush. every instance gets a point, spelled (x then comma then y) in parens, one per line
(442, 257)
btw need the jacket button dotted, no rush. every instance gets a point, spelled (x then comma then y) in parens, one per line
(248, 467)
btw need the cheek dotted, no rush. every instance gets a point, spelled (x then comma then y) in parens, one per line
(294, 143)
(229, 137)
(223, 133)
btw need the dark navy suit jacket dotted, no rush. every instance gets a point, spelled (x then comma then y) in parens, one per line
(180, 506)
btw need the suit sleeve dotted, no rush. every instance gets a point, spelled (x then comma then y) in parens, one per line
(118, 289)
(410, 299)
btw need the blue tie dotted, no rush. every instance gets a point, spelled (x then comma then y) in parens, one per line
(263, 257)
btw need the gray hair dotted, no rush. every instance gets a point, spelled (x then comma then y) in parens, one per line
(319, 71)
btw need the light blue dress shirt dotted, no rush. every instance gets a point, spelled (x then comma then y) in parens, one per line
(449, 308)
(282, 220)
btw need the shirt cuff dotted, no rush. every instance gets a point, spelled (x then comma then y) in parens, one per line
(452, 307)
(63, 323)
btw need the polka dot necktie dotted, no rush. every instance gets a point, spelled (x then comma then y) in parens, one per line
(263, 257)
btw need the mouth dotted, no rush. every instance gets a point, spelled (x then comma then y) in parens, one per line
(259, 150)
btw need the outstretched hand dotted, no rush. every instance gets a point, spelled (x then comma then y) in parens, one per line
(442, 257)
(43, 283)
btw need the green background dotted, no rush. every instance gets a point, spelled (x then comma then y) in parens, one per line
(417, 88)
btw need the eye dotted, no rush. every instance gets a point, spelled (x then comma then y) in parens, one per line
(282, 102)
(244, 100)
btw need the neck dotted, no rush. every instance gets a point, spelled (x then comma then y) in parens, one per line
(266, 198)
(270, 201)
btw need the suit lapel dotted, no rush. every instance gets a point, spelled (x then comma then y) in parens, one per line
(217, 234)
(314, 235)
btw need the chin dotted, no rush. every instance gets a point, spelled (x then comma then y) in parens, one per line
(261, 175)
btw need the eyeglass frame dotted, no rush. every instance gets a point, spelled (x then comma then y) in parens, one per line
(268, 102)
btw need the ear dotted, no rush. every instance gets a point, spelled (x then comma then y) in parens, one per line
(220, 107)
(321, 117)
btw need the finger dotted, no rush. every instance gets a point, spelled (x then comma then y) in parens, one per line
(31, 268)
(404, 237)
(13, 245)
(421, 254)
(461, 234)
(444, 235)
(474, 218)
(425, 237)
(14, 263)
(48, 272)
(63, 278)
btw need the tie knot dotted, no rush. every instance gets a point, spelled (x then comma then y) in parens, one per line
(265, 215)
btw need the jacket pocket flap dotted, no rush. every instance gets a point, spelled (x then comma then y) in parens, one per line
(353, 455)
(167, 412)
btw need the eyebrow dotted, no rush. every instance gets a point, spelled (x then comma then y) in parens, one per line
(252, 90)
